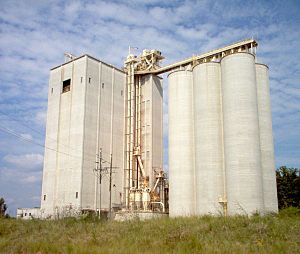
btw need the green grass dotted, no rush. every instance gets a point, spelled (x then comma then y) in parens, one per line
(268, 234)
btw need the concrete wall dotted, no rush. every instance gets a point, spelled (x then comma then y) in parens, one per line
(64, 138)
(28, 213)
(152, 124)
(80, 122)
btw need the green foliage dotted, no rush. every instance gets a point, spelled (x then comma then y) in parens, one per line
(240, 234)
(290, 212)
(288, 187)
(3, 207)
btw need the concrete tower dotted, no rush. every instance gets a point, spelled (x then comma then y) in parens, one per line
(85, 114)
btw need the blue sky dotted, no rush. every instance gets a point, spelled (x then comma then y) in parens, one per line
(35, 34)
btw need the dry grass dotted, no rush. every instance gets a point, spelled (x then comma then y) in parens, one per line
(269, 234)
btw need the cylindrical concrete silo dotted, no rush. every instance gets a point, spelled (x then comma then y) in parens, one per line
(266, 139)
(209, 169)
(241, 134)
(181, 144)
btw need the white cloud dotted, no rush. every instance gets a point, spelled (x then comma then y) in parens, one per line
(30, 161)
(31, 179)
(26, 136)
(19, 175)
(40, 118)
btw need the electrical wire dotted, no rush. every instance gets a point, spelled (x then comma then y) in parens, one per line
(42, 134)
(22, 138)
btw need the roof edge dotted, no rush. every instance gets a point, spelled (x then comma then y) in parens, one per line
(91, 57)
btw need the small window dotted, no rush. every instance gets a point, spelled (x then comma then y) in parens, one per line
(121, 92)
(76, 194)
(44, 197)
(29, 214)
(89, 80)
(81, 79)
(25, 214)
(66, 86)
(52, 90)
(102, 85)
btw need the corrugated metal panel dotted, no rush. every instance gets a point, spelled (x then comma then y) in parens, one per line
(181, 144)
(266, 139)
(208, 139)
(241, 134)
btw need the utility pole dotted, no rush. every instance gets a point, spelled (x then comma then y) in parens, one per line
(99, 172)
(100, 181)
(110, 180)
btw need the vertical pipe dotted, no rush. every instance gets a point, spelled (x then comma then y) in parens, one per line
(127, 170)
(224, 198)
(136, 133)
(132, 113)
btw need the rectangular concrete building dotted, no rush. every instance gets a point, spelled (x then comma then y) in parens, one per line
(85, 114)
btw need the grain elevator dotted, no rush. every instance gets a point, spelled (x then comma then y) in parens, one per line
(104, 136)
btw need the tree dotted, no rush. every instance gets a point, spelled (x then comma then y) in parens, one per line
(3, 207)
(288, 187)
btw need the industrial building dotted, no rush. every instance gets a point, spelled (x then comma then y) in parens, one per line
(85, 117)
(104, 136)
(86, 124)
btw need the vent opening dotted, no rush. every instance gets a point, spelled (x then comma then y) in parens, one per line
(66, 86)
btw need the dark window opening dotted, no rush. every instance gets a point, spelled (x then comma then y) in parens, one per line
(25, 214)
(89, 80)
(66, 86)
(76, 194)
(102, 85)
(52, 90)
(44, 197)
(29, 214)
(81, 79)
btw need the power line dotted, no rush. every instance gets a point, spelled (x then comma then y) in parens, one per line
(13, 133)
(43, 134)
(25, 125)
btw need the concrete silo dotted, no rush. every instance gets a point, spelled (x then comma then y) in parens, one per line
(209, 170)
(241, 134)
(181, 144)
(266, 138)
